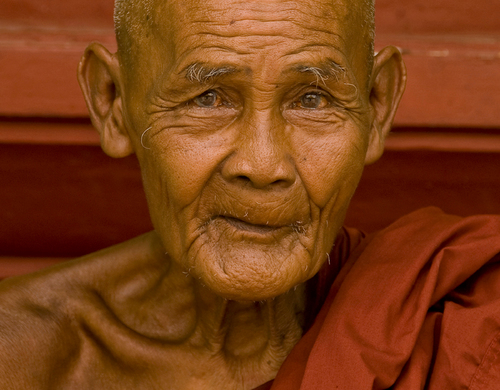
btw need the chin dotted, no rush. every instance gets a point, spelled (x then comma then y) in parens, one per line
(248, 271)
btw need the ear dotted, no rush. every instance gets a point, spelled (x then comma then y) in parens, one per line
(388, 81)
(99, 77)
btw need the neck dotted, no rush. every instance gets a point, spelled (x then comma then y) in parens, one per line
(242, 330)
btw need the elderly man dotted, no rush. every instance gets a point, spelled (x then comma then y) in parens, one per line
(252, 122)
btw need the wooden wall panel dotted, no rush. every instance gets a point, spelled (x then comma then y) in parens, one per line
(50, 14)
(67, 200)
(38, 72)
(44, 131)
(438, 17)
(461, 183)
(47, 77)
(452, 82)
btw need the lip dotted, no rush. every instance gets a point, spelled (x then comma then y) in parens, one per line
(250, 227)
(238, 231)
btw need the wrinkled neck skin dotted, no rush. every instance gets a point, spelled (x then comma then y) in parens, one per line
(244, 330)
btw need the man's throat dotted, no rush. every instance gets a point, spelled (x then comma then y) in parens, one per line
(245, 330)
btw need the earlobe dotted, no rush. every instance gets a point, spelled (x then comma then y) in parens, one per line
(99, 77)
(388, 82)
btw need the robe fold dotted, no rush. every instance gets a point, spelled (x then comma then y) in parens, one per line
(414, 306)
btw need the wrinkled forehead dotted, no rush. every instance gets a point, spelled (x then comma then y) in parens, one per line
(188, 24)
(225, 12)
(244, 18)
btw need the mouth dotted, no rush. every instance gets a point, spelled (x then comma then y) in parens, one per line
(250, 227)
(245, 231)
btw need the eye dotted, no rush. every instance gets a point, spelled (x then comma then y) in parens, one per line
(208, 99)
(312, 101)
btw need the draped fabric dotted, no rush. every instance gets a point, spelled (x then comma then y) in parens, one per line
(415, 306)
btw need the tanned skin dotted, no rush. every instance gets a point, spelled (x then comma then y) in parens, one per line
(252, 122)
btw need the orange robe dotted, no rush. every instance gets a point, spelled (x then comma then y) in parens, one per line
(415, 306)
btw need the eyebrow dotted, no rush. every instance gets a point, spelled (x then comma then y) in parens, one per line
(203, 74)
(323, 71)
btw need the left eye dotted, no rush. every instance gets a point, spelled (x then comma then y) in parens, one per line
(208, 99)
(313, 100)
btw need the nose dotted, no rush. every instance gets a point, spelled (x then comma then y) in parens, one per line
(261, 157)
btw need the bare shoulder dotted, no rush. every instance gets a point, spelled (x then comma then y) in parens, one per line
(35, 336)
(41, 313)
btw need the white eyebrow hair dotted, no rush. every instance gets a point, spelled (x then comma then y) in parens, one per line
(201, 73)
(323, 71)
(204, 73)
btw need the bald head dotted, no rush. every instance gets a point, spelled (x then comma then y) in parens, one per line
(133, 17)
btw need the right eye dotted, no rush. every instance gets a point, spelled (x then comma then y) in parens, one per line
(208, 99)
(312, 101)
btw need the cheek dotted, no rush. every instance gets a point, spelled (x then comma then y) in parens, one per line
(172, 188)
(331, 165)
(177, 168)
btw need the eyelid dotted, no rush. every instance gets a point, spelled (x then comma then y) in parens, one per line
(303, 92)
(303, 89)
(218, 97)
(226, 101)
(192, 101)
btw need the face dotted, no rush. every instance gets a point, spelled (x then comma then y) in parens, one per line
(258, 125)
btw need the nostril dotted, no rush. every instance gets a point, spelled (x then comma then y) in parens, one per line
(280, 183)
(242, 178)
(245, 181)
